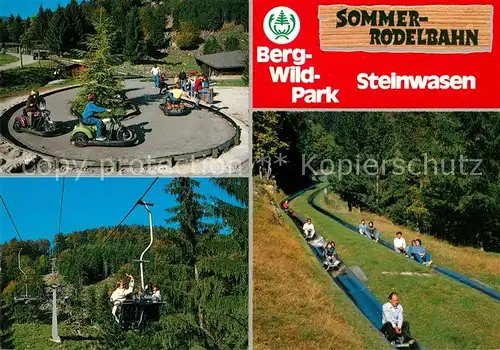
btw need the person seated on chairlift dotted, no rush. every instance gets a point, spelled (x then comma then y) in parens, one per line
(394, 327)
(362, 227)
(88, 115)
(330, 255)
(308, 229)
(176, 93)
(156, 293)
(400, 243)
(420, 254)
(120, 294)
(371, 232)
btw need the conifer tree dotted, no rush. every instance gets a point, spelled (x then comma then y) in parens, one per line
(134, 48)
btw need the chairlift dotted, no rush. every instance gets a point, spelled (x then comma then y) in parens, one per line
(26, 298)
(141, 310)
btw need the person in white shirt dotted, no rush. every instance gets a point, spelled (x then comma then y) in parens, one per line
(308, 229)
(156, 293)
(393, 326)
(156, 75)
(400, 243)
(120, 294)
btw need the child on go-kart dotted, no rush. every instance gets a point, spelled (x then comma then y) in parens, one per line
(174, 95)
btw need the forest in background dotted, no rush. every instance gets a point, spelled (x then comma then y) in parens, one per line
(139, 27)
(201, 268)
(458, 207)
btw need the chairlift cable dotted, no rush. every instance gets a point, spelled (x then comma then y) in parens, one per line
(10, 217)
(130, 212)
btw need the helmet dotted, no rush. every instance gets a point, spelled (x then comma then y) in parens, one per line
(91, 97)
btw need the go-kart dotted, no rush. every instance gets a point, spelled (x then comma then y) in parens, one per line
(174, 108)
(116, 134)
(41, 124)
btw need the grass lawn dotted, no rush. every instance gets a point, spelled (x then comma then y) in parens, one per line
(443, 314)
(6, 59)
(6, 93)
(296, 305)
(37, 336)
(230, 82)
(474, 263)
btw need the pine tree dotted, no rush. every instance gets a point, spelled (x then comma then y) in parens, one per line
(55, 33)
(211, 46)
(245, 76)
(73, 34)
(6, 322)
(99, 77)
(134, 48)
(231, 43)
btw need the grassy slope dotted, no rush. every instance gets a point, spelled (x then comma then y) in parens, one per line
(296, 305)
(6, 59)
(37, 336)
(474, 263)
(443, 314)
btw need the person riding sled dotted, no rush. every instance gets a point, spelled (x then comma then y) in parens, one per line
(88, 116)
(120, 294)
(33, 105)
(395, 329)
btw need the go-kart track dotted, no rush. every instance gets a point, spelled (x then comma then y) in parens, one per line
(160, 139)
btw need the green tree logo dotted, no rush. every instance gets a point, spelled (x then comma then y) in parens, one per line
(281, 25)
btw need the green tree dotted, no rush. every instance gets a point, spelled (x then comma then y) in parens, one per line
(246, 75)
(15, 27)
(56, 31)
(99, 77)
(266, 141)
(231, 43)
(188, 36)
(134, 48)
(75, 21)
(212, 46)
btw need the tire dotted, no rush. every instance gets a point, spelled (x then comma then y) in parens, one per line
(17, 126)
(124, 134)
(79, 139)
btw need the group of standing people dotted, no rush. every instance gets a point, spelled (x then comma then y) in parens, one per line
(194, 86)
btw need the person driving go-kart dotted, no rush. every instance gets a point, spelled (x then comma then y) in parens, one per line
(33, 106)
(88, 115)
(174, 95)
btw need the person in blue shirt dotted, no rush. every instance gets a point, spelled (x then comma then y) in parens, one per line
(371, 232)
(362, 227)
(420, 254)
(88, 116)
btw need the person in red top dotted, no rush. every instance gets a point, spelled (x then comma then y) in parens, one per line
(286, 205)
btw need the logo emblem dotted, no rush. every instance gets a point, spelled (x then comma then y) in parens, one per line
(281, 25)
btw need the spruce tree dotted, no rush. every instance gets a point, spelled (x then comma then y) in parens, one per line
(57, 27)
(134, 48)
(212, 46)
(6, 322)
(99, 77)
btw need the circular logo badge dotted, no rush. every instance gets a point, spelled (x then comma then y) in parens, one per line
(281, 25)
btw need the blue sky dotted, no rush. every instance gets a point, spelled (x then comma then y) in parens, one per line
(88, 203)
(27, 8)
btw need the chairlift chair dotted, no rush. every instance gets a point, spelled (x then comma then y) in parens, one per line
(136, 313)
(26, 298)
